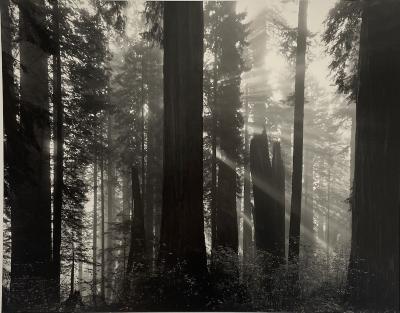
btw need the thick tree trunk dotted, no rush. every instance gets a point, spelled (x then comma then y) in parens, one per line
(278, 174)
(137, 244)
(182, 229)
(295, 212)
(58, 109)
(31, 217)
(267, 228)
(373, 276)
(9, 107)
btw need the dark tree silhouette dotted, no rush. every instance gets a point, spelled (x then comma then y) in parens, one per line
(278, 226)
(373, 276)
(267, 226)
(182, 226)
(230, 66)
(31, 216)
(295, 211)
(58, 117)
(137, 244)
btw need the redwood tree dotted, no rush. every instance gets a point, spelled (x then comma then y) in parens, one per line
(373, 276)
(31, 216)
(295, 212)
(182, 226)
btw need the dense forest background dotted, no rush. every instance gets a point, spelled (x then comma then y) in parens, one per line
(201, 156)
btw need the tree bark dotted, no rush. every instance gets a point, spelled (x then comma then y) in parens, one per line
(58, 109)
(72, 278)
(102, 288)
(278, 174)
(247, 229)
(373, 277)
(110, 208)
(10, 103)
(137, 245)
(31, 217)
(295, 212)
(94, 287)
(214, 200)
(266, 224)
(182, 225)
(125, 213)
(228, 104)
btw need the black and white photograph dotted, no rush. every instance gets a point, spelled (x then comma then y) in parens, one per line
(200, 156)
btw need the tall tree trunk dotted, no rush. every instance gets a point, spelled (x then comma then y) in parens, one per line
(352, 142)
(110, 209)
(11, 143)
(247, 229)
(328, 216)
(182, 228)
(9, 107)
(227, 225)
(125, 213)
(214, 200)
(31, 217)
(58, 109)
(373, 276)
(94, 287)
(149, 195)
(102, 288)
(295, 212)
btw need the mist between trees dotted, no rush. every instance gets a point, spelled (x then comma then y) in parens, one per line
(214, 156)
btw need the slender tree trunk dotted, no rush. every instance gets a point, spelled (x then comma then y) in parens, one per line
(102, 290)
(110, 209)
(149, 196)
(328, 216)
(58, 109)
(182, 229)
(247, 229)
(227, 225)
(125, 214)
(295, 212)
(214, 163)
(72, 281)
(373, 277)
(31, 218)
(352, 142)
(94, 287)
